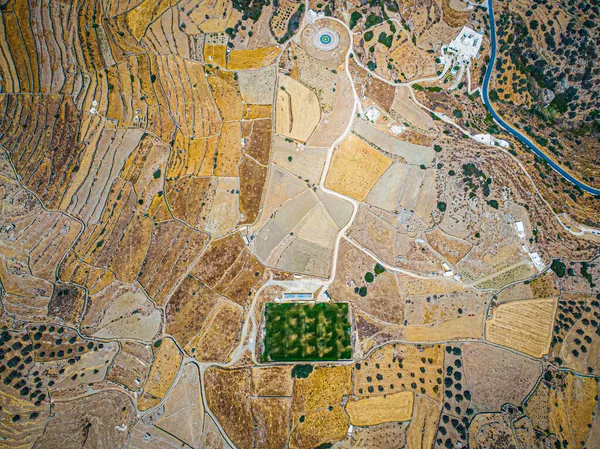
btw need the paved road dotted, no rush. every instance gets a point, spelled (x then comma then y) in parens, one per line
(486, 99)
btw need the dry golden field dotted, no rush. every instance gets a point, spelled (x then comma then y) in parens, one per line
(297, 110)
(523, 325)
(376, 410)
(355, 168)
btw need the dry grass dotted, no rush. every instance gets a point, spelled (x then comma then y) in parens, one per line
(188, 309)
(228, 397)
(320, 427)
(272, 381)
(571, 409)
(257, 111)
(140, 17)
(379, 409)
(252, 183)
(463, 327)
(423, 427)
(167, 360)
(454, 18)
(544, 286)
(132, 363)
(396, 367)
(406, 110)
(218, 335)
(323, 388)
(297, 110)
(317, 414)
(272, 416)
(226, 92)
(450, 248)
(215, 54)
(213, 16)
(184, 411)
(355, 168)
(523, 325)
(515, 274)
(251, 59)
(229, 152)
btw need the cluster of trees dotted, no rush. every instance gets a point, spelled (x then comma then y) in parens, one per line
(455, 390)
(474, 178)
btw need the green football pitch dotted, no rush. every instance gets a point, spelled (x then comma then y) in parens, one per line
(307, 332)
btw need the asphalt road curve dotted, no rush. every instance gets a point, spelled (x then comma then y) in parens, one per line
(486, 99)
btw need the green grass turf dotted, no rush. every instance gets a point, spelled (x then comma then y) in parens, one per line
(307, 332)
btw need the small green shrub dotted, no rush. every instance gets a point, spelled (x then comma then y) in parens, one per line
(354, 18)
(302, 371)
(559, 268)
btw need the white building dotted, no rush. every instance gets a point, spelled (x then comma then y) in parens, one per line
(537, 261)
(490, 141)
(396, 129)
(312, 15)
(372, 114)
(520, 229)
(466, 45)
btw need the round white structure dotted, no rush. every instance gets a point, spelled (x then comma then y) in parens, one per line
(325, 39)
